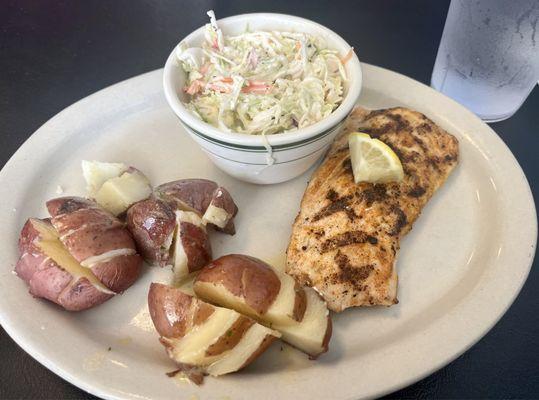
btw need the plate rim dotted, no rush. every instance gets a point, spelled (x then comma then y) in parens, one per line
(32, 348)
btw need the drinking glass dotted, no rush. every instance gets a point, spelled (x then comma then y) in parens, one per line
(488, 59)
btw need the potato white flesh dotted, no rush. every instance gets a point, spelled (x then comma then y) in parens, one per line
(119, 193)
(280, 312)
(96, 173)
(282, 309)
(191, 349)
(50, 245)
(309, 335)
(107, 256)
(180, 266)
(189, 217)
(236, 358)
(217, 216)
(185, 284)
(218, 294)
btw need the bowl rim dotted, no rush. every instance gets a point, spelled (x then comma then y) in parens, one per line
(321, 128)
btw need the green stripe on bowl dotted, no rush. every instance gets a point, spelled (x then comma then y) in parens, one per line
(262, 149)
(264, 164)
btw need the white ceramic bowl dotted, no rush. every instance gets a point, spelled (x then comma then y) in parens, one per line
(246, 156)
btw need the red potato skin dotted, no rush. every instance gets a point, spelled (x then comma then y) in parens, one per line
(245, 277)
(173, 312)
(87, 230)
(196, 244)
(118, 273)
(81, 216)
(229, 229)
(226, 342)
(68, 205)
(94, 240)
(48, 280)
(268, 340)
(28, 264)
(197, 195)
(300, 304)
(28, 235)
(327, 338)
(194, 374)
(151, 222)
(31, 257)
(187, 194)
(81, 296)
(44, 277)
(222, 199)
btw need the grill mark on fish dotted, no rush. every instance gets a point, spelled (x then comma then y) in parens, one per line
(410, 156)
(416, 191)
(332, 195)
(433, 162)
(336, 204)
(318, 233)
(424, 128)
(397, 123)
(346, 239)
(449, 158)
(373, 193)
(421, 144)
(350, 273)
(400, 123)
(376, 132)
(400, 222)
(375, 113)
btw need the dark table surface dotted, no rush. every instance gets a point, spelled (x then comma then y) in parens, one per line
(55, 53)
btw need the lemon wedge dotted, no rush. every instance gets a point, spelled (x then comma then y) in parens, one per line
(373, 160)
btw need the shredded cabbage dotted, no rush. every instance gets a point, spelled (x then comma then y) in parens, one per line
(261, 83)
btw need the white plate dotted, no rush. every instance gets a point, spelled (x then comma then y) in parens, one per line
(459, 269)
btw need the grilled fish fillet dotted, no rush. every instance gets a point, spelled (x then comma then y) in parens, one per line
(346, 236)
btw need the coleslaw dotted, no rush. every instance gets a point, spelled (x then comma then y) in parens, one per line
(262, 83)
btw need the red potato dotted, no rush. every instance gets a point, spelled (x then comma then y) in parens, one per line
(271, 297)
(212, 203)
(96, 173)
(167, 237)
(192, 249)
(203, 339)
(152, 224)
(97, 240)
(71, 286)
(118, 194)
(115, 186)
(221, 211)
(174, 312)
(252, 287)
(313, 333)
(187, 194)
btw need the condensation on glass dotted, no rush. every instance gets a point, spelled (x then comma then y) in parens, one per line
(488, 59)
